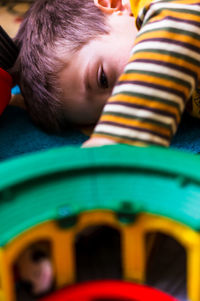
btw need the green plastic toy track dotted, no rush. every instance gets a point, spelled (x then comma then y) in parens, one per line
(60, 183)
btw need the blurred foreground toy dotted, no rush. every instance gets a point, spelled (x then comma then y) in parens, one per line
(109, 291)
(52, 197)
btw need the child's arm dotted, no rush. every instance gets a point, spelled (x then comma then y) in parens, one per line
(163, 72)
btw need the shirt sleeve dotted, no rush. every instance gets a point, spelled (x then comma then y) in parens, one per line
(162, 73)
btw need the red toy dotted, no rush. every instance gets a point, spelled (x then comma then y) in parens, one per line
(108, 290)
(5, 89)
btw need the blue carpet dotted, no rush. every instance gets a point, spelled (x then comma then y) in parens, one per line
(187, 137)
(18, 135)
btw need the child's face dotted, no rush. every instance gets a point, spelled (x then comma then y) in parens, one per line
(91, 73)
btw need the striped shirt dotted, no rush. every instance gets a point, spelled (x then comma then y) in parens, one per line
(160, 78)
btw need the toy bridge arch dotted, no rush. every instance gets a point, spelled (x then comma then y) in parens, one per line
(144, 188)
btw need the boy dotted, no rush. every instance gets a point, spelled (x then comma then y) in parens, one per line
(56, 68)
(161, 76)
(72, 53)
(74, 71)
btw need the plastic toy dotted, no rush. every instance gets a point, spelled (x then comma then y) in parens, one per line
(52, 196)
(109, 290)
(5, 88)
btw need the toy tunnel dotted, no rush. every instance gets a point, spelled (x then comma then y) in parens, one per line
(54, 196)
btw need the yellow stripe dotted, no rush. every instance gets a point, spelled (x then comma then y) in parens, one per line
(181, 15)
(169, 35)
(137, 123)
(155, 80)
(164, 58)
(168, 58)
(150, 104)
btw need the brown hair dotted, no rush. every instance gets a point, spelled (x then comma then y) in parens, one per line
(50, 30)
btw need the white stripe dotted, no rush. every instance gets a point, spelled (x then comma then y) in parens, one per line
(141, 12)
(149, 92)
(162, 70)
(158, 45)
(158, 6)
(175, 5)
(142, 113)
(170, 24)
(130, 133)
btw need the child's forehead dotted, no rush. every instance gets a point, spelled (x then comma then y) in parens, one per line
(71, 76)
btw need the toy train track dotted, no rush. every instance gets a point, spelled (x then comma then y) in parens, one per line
(123, 179)
(56, 194)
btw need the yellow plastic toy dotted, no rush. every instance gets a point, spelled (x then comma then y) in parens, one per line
(54, 196)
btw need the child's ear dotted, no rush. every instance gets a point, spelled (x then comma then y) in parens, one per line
(110, 6)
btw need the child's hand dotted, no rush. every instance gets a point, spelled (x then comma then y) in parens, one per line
(92, 142)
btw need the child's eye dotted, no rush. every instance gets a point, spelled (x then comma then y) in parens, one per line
(102, 79)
